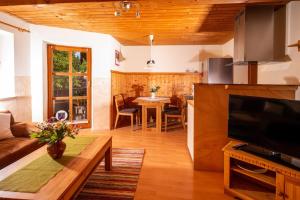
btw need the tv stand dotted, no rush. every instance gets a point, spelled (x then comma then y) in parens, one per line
(275, 180)
(270, 155)
(256, 150)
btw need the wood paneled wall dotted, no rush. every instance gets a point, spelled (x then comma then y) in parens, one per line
(135, 84)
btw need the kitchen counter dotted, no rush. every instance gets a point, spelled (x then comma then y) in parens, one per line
(238, 84)
(249, 86)
(190, 102)
(210, 112)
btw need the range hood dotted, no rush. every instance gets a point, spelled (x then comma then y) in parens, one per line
(259, 35)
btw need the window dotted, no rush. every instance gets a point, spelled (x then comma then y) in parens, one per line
(7, 65)
(69, 93)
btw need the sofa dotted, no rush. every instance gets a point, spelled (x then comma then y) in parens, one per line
(18, 144)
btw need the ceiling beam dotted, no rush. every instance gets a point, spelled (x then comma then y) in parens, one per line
(34, 2)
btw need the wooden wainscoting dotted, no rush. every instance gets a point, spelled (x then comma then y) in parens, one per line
(135, 84)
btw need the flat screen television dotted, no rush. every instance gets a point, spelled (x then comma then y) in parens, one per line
(273, 124)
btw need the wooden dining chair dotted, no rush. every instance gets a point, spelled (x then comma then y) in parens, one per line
(123, 111)
(176, 112)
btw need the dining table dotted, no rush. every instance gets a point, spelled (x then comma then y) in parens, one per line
(152, 102)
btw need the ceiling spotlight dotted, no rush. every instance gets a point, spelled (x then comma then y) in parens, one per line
(151, 38)
(117, 13)
(126, 6)
(138, 14)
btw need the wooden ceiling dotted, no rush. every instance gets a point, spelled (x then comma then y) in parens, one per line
(173, 22)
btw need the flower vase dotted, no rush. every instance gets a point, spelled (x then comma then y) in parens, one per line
(153, 95)
(56, 150)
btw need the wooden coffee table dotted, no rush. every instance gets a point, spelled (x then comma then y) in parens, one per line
(67, 182)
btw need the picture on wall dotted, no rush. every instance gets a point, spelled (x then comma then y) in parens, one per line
(117, 58)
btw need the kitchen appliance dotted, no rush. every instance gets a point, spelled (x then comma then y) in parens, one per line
(260, 34)
(218, 71)
(269, 127)
(259, 38)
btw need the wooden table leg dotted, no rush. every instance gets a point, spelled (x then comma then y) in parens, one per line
(158, 118)
(144, 118)
(108, 159)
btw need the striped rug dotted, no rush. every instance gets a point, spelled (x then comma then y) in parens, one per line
(118, 184)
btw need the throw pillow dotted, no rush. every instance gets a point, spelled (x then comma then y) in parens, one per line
(5, 131)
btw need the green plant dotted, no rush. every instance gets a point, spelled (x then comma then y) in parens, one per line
(52, 132)
(79, 62)
(60, 61)
(155, 88)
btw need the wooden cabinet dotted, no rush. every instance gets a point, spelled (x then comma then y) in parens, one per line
(278, 182)
(190, 131)
(288, 188)
(279, 187)
(211, 118)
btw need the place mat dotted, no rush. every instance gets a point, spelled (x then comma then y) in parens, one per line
(35, 175)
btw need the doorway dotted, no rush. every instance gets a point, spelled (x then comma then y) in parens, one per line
(69, 84)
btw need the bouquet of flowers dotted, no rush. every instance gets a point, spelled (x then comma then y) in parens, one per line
(52, 132)
(154, 89)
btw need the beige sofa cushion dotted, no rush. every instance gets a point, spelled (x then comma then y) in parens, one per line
(5, 120)
(12, 120)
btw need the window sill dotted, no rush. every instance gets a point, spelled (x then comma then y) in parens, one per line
(7, 98)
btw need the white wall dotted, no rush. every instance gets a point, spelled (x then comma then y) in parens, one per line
(276, 73)
(20, 105)
(169, 58)
(103, 47)
(31, 64)
(22, 43)
(7, 64)
(289, 72)
(227, 49)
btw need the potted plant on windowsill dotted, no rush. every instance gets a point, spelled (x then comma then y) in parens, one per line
(53, 133)
(154, 90)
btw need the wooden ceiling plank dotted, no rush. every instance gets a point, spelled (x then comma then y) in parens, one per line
(172, 21)
(158, 2)
(35, 2)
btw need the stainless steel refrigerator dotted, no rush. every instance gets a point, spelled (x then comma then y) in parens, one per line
(218, 71)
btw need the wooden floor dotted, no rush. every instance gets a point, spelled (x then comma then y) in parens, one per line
(167, 171)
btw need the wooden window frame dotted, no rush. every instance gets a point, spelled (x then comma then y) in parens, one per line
(70, 74)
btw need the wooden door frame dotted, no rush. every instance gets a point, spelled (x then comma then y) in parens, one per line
(50, 48)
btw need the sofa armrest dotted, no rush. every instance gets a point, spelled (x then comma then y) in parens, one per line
(22, 129)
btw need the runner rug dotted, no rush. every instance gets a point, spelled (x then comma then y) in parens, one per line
(38, 172)
(118, 184)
